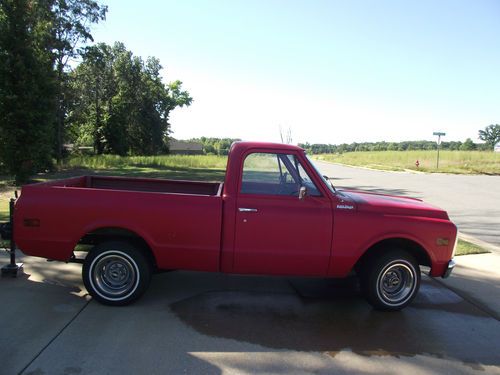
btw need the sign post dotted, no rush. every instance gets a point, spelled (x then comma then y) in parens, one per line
(439, 134)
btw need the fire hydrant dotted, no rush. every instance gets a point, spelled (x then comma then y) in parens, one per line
(417, 164)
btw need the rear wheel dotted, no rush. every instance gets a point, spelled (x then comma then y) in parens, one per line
(116, 273)
(391, 281)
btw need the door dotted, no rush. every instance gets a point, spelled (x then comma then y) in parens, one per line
(277, 232)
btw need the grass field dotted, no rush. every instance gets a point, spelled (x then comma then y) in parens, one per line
(462, 162)
(178, 167)
(163, 162)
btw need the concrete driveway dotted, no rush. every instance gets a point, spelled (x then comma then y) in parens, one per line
(202, 323)
(473, 202)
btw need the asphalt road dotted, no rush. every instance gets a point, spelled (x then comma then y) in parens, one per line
(200, 323)
(472, 201)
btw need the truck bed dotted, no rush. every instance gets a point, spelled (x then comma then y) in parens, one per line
(179, 220)
(140, 184)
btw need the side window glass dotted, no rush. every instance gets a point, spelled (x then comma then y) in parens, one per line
(275, 174)
(305, 179)
(261, 174)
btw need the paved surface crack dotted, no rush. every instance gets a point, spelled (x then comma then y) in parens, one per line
(55, 337)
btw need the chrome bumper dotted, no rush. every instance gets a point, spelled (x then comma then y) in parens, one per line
(451, 265)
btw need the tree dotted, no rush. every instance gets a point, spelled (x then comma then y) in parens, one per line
(71, 20)
(217, 146)
(143, 103)
(490, 134)
(468, 145)
(121, 104)
(27, 89)
(286, 135)
(38, 38)
(92, 86)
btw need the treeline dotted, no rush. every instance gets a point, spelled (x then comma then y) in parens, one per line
(120, 104)
(112, 101)
(215, 146)
(468, 145)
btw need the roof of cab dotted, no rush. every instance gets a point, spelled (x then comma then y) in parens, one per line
(242, 146)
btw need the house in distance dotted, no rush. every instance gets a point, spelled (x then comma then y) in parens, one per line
(185, 147)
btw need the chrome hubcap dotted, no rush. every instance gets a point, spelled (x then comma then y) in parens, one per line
(397, 283)
(114, 275)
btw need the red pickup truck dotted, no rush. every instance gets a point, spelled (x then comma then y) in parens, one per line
(274, 215)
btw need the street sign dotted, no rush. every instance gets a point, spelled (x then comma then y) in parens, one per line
(439, 135)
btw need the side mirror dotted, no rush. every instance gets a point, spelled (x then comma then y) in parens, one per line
(302, 192)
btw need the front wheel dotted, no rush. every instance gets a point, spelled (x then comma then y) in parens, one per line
(391, 281)
(116, 273)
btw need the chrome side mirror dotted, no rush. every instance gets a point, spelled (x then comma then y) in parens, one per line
(302, 192)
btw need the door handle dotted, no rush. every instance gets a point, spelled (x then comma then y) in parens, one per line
(242, 209)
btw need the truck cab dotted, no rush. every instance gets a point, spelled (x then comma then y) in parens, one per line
(281, 212)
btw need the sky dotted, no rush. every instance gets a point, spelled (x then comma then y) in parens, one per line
(330, 71)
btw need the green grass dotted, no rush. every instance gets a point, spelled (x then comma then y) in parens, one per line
(5, 195)
(460, 162)
(468, 248)
(176, 167)
(163, 161)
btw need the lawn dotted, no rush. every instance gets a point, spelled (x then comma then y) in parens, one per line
(461, 162)
(177, 167)
(468, 248)
(162, 162)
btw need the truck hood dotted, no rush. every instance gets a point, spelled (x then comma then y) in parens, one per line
(390, 204)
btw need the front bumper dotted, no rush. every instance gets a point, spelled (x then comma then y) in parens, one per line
(449, 268)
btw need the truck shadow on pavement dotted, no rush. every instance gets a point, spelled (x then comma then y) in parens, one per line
(330, 316)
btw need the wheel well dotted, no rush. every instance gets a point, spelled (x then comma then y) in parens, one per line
(413, 248)
(101, 235)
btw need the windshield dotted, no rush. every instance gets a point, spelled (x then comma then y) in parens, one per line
(327, 182)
